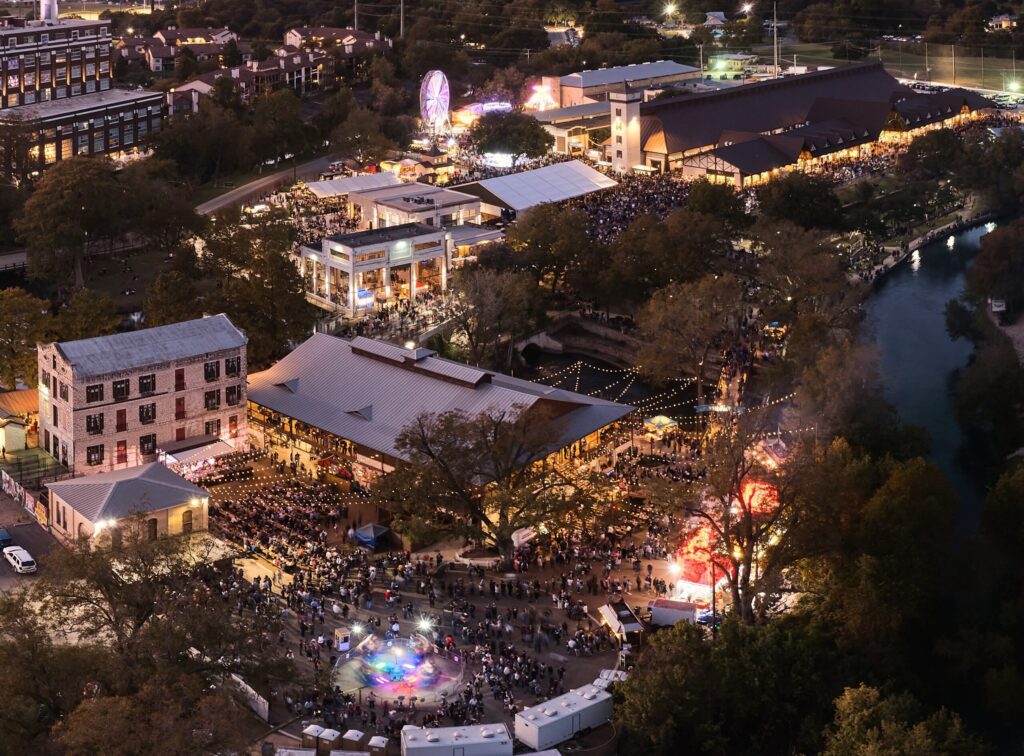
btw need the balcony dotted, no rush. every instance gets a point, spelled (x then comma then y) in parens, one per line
(122, 427)
(179, 415)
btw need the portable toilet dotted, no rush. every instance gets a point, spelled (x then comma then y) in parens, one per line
(378, 746)
(311, 736)
(328, 740)
(352, 741)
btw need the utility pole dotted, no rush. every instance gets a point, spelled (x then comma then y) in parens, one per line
(983, 68)
(927, 69)
(401, 19)
(953, 50)
(355, 16)
(775, 37)
(700, 46)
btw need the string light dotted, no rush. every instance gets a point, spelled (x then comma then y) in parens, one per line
(629, 385)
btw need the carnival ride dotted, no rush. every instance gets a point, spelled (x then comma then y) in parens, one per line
(435, 98)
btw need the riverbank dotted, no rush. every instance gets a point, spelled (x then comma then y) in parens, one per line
(902, 252)
(918, 360)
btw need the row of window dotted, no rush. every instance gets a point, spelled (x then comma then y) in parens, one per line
(94, 424)
(121, 389)
(101, 141)
(61, 75)
(54, 36)
(94, 455)
(14, 99)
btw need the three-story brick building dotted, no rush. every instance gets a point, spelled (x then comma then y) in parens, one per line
(116, 401)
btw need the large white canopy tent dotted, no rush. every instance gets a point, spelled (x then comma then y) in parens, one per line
(552, 183)
(338, 187)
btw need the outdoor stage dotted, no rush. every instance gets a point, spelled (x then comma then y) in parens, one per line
(400, 669)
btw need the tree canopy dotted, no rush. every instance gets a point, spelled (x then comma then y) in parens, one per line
(483, 477)
(26, 322)
(512, 133)
(138, 610)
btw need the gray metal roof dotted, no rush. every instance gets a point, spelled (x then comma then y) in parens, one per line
(571, 112)
(368, 391)
(626, 74)
(150, 346)
(116, 494)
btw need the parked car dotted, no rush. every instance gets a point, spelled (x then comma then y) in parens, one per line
(19, 559)
(5, 539)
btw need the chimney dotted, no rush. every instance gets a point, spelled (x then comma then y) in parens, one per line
(48, 11)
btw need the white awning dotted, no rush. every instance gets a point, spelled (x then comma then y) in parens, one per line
(338, 187)
(210, 450)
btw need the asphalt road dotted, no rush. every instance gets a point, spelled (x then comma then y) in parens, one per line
(259, 186)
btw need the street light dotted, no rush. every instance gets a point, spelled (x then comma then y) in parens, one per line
(425, 625)
(358, 629)
(670, 9)
(747, 7)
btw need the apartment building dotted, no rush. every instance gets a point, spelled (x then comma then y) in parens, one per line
(117, 401)
(302, 72)
(55, 82)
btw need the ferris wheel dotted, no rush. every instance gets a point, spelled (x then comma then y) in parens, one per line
(434, 101)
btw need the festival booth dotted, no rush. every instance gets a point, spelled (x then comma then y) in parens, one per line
(552, 722)
(667, 613)
(623, 623)
(370, 534)
(480, 740)
(406, 169)
(659, 424)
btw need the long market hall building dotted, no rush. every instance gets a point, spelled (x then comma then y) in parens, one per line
(340, 404)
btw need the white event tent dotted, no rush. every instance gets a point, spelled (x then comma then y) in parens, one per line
(552, 183)
(361, 183)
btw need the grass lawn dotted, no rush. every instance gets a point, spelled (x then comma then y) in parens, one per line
(923, 229)
(108, 274)
(971, 71)
(208, 191)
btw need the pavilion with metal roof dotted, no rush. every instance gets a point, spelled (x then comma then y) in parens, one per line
(333, 396)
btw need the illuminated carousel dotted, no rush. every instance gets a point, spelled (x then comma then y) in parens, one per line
(400, 668)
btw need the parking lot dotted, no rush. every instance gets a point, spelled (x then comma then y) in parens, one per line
(26, 533)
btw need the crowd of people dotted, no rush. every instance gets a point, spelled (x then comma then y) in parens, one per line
(286, 521)
(312, 217)
(612, 210)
